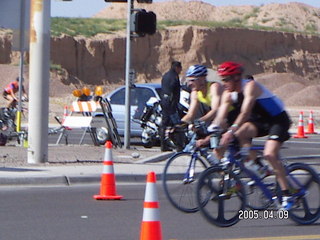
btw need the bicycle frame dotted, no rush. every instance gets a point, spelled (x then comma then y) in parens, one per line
(232, 161)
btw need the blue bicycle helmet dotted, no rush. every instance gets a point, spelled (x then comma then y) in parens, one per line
(197, 71)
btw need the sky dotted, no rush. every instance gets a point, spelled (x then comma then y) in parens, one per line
(87, 8)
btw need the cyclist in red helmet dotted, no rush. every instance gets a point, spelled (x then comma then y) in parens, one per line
(10, 91)
(259, 113)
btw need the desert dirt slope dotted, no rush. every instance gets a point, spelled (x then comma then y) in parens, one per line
(288, 63)
(295, 16)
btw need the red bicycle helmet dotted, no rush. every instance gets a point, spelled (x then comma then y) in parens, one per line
(229, 68)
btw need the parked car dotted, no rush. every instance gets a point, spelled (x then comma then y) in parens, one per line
(140, 94)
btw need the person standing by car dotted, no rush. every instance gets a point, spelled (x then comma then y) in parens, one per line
(170, 96)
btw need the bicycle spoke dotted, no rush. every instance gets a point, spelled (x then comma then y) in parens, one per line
(309, 182)
(306, 208)
(220, 216)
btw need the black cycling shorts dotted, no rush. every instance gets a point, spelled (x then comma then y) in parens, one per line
(276, 127)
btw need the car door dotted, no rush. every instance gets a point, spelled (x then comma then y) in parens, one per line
(139, 96)
(117, 101)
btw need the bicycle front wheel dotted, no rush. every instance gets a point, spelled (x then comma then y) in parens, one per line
(180, 174)
(220, 196)
(304, 184)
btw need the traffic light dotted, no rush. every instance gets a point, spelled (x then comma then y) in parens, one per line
(139, 1)
(145, 22)
(116, 1)
(144, 1)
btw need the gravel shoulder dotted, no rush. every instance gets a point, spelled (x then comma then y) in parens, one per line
(17, 156)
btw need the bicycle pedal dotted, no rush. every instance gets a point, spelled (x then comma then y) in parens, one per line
(237, 171)
(188, 180)
(226, 195)
(251, 183)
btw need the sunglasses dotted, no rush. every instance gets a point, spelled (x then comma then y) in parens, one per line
(227, 79)
(192, 80)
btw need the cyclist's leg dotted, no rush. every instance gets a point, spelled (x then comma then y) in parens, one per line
(271, 153)
(11, 102)
(244, 135)
(278, 133)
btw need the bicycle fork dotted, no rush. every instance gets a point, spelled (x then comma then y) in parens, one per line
(189, 175)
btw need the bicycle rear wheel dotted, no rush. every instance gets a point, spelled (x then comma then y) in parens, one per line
(111, 123)
(179, 186)
(304, 184)
(220, 196)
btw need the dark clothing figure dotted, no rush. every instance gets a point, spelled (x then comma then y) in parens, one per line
(170, 96)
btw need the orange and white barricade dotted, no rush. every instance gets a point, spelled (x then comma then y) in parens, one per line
(83, 120)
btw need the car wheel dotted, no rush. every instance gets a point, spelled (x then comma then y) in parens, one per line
(147, 144)
(102, 135)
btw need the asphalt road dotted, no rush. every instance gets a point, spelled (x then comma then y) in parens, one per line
(47, 213)
(65, 213)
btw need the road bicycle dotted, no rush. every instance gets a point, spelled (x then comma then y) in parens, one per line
(184, 168)
(181, 173)
(112, 129)
(8, 125)
(222, 192)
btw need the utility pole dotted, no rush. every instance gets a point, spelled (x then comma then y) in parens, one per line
(127, 127)
(21, 49)
(143, 23)
(39, 81)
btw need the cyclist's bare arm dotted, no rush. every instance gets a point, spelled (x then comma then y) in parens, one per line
(250, 92)
(215, 92)
(223, 110)
(13, 95)
(193, 108)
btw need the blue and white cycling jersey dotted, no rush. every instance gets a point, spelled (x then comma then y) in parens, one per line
(267, 103)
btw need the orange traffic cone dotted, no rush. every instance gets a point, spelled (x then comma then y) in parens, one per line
(300, 133)
(108, 186)
(311, 124)
(151, 226)
(65, 113)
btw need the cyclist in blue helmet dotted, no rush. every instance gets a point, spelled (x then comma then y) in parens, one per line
(204, 94)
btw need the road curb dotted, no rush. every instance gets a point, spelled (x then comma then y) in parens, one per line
(70, 180)
(34, 181)
(158, 158)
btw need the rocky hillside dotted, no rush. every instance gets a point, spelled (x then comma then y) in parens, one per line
(100, 60)
(288, 63)
(292, 16)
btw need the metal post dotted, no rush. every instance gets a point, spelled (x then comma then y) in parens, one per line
(39, 81)
(21, 48)
(128, 84)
